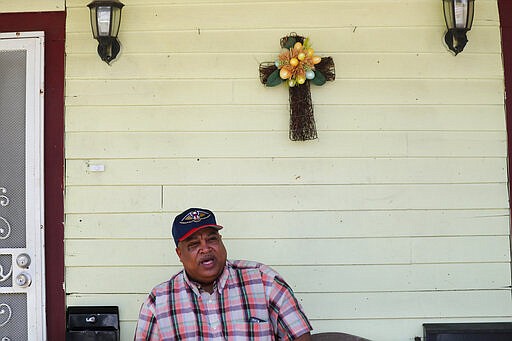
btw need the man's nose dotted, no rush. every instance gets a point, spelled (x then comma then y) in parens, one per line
(203, 245)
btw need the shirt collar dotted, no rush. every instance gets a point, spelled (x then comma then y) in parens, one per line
(218, 286)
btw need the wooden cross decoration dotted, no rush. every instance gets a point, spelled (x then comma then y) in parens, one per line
(298, 66)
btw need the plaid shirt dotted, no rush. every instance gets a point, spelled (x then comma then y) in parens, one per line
(250, 302)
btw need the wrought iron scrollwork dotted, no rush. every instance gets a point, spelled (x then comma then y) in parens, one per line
(4, 277)
(5, 314)
(5, 228)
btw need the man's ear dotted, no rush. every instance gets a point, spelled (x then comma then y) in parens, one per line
(178, 252)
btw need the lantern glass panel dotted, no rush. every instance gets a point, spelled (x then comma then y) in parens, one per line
(94, 24)
(471, 13)
(104, 20)
(448, 13)
(116, 21)
(461, 13)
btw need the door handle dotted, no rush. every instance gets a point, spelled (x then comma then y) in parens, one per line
(23, 260)
(23, 280)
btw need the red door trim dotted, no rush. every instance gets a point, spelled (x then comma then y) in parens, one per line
(53, 24)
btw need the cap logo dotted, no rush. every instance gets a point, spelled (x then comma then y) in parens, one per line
(194, 217)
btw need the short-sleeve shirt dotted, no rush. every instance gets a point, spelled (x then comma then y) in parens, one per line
(250, 301)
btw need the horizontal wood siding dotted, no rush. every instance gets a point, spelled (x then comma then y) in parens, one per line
(396, 216)
(9, 6)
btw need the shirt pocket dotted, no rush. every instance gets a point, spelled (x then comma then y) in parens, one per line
(261, 330)
(259, 324)
(257, 327)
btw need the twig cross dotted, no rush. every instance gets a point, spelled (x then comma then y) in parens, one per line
(298, 66)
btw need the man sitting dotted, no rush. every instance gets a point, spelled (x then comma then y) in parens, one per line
(216, 299)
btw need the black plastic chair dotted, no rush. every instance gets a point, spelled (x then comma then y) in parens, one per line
(336, 337)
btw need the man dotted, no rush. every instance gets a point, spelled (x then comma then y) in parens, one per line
(217, 299)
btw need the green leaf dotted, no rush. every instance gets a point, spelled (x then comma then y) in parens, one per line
(319, 78)
(290, 42)
(274, 79)
(307, 43)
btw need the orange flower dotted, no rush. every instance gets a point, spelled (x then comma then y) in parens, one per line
(294, 62)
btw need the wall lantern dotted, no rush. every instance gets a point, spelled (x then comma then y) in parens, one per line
(105, 21)
(458, 15)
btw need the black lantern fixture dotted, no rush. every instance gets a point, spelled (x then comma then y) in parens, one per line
(105, 21)
(458, 15)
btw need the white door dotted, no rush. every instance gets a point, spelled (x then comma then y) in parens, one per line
(22, 301)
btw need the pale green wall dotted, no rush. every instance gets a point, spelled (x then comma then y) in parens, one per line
(9, 6)
(396, 216)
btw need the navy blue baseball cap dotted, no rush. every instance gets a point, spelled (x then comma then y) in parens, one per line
(190, 221)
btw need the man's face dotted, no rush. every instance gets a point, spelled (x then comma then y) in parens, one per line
(203, 255)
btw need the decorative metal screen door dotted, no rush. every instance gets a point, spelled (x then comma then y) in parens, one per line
(22, 301)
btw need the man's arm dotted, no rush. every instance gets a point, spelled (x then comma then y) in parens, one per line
(147, 328)
(287, 313)
(304, 337)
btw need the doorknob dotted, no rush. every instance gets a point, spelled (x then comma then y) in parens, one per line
(23, 260)
(23, 280)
